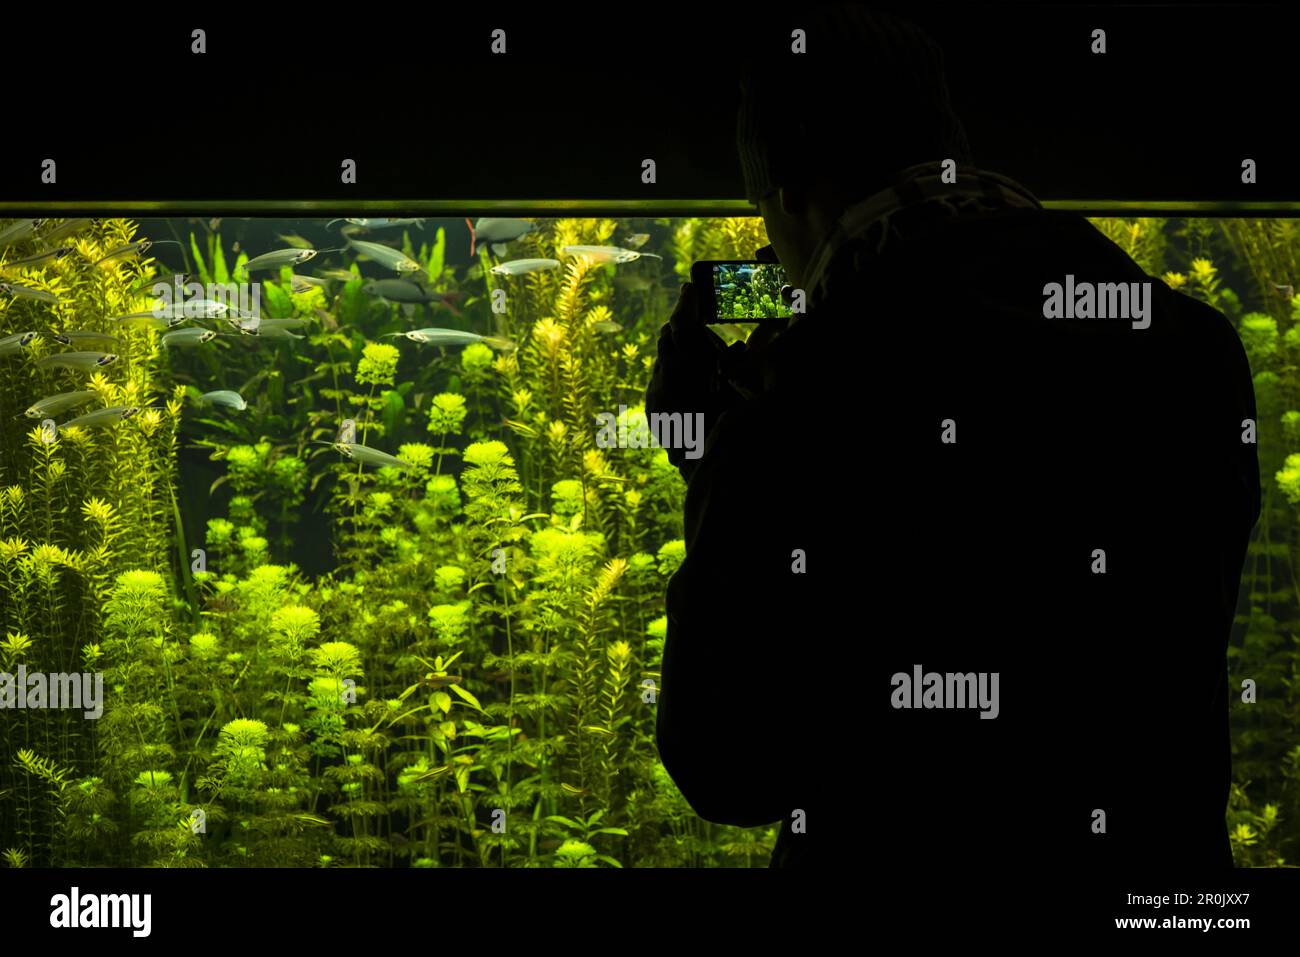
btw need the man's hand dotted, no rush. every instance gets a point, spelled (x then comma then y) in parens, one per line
(686, 376)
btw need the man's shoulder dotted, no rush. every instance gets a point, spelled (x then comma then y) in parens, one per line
(1000, 252)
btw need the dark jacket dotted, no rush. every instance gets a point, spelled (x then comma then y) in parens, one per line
(978, 556)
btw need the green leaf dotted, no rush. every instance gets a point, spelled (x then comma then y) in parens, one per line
(279, 305)
(439, 253)
(433, 773)
(404, 715)
(567, 822)
(462, 693)
(393, 408)
(199, 264)
(219, 273)
(353, 303)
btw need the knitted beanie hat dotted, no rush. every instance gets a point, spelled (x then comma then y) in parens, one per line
(866, 100)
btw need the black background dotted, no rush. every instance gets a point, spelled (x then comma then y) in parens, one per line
(587, 91)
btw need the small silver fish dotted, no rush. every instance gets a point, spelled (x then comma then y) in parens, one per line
(26, 292)
(376, 223)
(517, 267)
(15, 343)
(37, 259)
(342, 275)
(496, 233)
(403, 290)
(303, 284)
(81, 361)
(164, 317)
(614, 254)
(68, 338)
(265, 330)
(54, 404)
(280, 257)
(288, 323)
(607, 326)
(225, 398)
(449, 337)
(636, 240)
(386, 256)
(192, 309)
(68, 227)
(131, 250)
(188, 337)
(144, 320)
(368, 456)
(18, 231)
(101, 417)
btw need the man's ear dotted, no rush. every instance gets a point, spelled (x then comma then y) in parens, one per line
(794, 201)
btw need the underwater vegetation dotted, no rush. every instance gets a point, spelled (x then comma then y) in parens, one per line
(1248, 269)
(749, 292)
(364, 589)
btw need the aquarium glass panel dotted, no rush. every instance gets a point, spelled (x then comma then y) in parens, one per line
(312, 551)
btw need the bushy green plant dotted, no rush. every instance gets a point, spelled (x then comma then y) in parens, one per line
(1247, 268)
(471, 680)
(78, 508)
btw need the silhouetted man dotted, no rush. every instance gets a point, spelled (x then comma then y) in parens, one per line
(964, 544)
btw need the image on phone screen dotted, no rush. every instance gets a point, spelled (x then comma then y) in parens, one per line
(747, 291)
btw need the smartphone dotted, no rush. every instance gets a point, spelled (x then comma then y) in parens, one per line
(739, 290)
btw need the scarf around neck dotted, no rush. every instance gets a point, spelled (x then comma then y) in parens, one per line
(917, 191)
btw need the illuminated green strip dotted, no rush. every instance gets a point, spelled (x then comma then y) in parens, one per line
(586, 207)
(1122, 207)
(460, 207)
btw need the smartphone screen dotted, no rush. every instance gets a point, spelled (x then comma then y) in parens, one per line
(747, 291)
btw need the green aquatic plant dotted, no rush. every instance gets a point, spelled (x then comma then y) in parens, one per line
(464, 682)
(1249, 270)
(1143, 238)
(55, 780)
(77, 506)
(456, 661)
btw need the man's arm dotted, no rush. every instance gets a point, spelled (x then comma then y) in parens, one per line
(723, 730)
